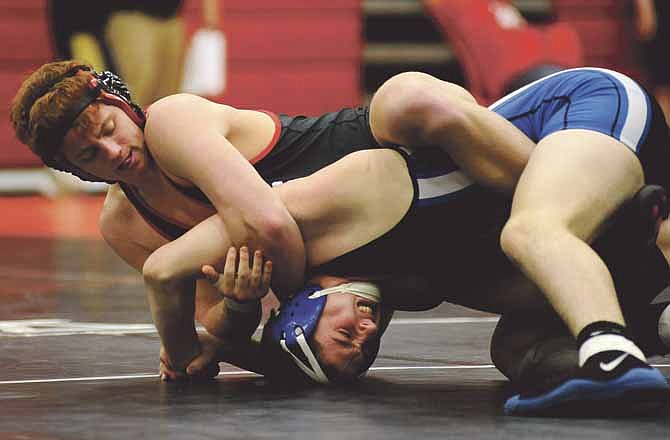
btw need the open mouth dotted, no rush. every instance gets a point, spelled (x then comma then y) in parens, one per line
(367, 307)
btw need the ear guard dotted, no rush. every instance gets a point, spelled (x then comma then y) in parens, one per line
(287, 335)
(291, 329)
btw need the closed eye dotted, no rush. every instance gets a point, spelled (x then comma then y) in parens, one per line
(87, 154)
(343, 338)
(109, 128)
(345, 333)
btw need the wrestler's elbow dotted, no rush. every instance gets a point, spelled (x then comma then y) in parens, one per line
(161, 269)
(276, 230)
(273, 228)
(283, 245)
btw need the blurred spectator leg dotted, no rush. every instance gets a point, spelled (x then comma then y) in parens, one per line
(171, 51)
(148, 52)
(86, 47)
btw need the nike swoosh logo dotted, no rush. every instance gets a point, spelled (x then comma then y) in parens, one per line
(611, 365)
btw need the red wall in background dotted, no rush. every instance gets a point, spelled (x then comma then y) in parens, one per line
(24, 45)
(293, 56)
(606, 30)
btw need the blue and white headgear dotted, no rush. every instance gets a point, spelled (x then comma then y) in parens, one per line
(287, 334)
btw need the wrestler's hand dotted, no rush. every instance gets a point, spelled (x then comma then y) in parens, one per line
(241, 283)
(206, 365)
(167, 373)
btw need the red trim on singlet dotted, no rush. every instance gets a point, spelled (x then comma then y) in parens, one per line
(184, 189)
(265, 151)
(274, 140)
(148, 207)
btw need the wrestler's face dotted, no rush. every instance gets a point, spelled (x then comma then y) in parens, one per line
(111, 146)
(348, 333)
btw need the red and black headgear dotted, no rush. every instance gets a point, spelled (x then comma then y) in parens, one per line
(106, 87)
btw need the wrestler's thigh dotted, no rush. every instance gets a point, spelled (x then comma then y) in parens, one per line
(577, 178)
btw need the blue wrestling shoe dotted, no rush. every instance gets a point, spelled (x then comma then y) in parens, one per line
(611, 383)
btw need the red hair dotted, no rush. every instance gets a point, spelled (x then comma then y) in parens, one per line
(43, 103)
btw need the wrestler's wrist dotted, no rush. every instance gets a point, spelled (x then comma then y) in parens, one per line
(250, 306)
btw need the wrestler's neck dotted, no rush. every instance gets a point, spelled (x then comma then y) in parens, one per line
(152, 180)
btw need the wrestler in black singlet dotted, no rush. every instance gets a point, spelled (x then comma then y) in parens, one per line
(304, 145)
(451, 226)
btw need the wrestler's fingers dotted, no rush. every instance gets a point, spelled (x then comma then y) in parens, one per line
(257, 270)
(166, 372)
(243, 269)
(228, 279)
(267, 276)
(161, 373)
(210, 273)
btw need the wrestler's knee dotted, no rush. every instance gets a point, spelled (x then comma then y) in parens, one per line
(160, 268)
(522, 232)
(410, 107)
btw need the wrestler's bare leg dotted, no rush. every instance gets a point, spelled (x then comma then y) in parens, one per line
(418, 110)
(574, 181)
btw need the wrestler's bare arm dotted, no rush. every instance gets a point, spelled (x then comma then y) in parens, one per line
(190, 141)
(190, 137)
(134, 241)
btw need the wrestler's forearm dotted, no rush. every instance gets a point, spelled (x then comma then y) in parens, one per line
(170, 275)
(286, 249)
(172, 305)
(276, 234)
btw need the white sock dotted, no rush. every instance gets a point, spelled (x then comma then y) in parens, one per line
(599, 343)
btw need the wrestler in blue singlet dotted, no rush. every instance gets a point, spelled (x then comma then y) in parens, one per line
(598, 100)
(471, 217)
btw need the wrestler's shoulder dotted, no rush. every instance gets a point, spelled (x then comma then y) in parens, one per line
(119, 220)
(181, 103)
(167, 114)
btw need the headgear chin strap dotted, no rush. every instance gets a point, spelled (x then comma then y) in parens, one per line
(113, 91)
(105, 86)
(294, 325)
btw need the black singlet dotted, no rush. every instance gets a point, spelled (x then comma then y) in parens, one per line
(301, 146)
